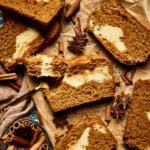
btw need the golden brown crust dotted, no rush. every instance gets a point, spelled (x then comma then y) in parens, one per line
(34, 11)
(133, 54)
(52, 33)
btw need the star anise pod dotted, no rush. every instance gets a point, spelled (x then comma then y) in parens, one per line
(123, 100)
(120, 106)
(117, 112)
(60, 120)
(76, 46)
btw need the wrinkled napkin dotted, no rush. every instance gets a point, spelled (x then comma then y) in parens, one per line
(10, 108)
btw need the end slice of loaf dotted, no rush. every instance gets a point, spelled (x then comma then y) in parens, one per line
(37, 12)
(89, 133)
(18, 40)
(120, 33)
(137, 131)
(45, 66)
(88, 78)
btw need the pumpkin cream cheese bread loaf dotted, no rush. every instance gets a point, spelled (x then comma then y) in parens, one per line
(38, 12)
(45, 66)
(89, 133)
(18, 40)
(120, 33)
(137, 130)
(87, 78)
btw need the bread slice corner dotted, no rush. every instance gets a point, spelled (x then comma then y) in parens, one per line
(89, 133)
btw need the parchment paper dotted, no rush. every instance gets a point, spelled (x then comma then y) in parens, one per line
(141, 10)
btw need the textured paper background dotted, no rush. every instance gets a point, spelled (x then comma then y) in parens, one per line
(140, 9)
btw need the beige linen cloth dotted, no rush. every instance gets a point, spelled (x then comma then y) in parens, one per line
(141, 10)
(10, 108)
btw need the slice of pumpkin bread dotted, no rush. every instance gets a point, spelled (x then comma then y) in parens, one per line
(137, 131)
(45, 66)
(89, 133)
(37, 12)
(88, 78)
(18, 40)
(120, 33)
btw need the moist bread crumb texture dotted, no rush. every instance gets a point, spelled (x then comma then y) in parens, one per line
(121, 34)
(87, 78)
(89, 133)
(38, 11)
(17, 40)
(45, 66)
(137, 130)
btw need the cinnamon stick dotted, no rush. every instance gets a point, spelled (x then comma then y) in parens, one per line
(61, 48)
(12, 129)
(44, 146)
(17, 140)
(4, 137)
(35, 137)
(14, 84)
(72, 9)
(40, 141)
(28, 128)
(126, 80)
(26, 122)
(18, 125)
(107, 111)
(34, 127)
(12, 147)
(8, 76)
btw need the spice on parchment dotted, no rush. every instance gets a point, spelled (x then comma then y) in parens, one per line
(76, 46)
(120, 106)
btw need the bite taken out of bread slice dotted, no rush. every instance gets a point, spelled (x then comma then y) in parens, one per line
(120, 33)
(89, 133)
(36, 12)
(45, 66)
(87, 78)
(18, 40)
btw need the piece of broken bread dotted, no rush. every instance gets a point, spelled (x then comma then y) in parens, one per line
(89, 133)
(43, 65)
(87, 78)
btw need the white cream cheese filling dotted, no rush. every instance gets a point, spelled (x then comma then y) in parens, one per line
(99, 74)
(99, 128)
(82, 142)
(46, 68)
(112, 34)
(148, 115)
(23, 41)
